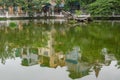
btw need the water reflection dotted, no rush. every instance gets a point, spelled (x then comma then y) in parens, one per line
(81, 52)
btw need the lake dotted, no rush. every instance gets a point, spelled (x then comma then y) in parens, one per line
(59, 50)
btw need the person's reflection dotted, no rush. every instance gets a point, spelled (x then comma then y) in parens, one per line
(20, 26)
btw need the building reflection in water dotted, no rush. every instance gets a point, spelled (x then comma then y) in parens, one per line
(108, 56)
(29, 57)
(43, 56)
(47, 57)
(76, 67)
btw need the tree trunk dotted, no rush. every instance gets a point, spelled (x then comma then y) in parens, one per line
(19, 10)
(11, 10)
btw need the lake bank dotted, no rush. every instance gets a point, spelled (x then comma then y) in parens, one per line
(107, 18)
(59, 17)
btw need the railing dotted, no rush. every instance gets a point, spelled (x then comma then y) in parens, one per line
(7, 15)
(106, 15)
(51, 14)
(110, 15)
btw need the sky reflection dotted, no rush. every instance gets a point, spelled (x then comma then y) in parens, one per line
(12, 70)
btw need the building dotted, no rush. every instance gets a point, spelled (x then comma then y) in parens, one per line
(29, 56)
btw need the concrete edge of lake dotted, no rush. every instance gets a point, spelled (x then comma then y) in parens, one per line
(106, 18)
(20, 18)
(55, 17)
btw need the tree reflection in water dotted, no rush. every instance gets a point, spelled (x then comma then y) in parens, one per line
(82, 48)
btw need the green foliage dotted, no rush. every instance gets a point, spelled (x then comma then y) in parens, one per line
(72, 22)
(86, 38)
(78, 12)
(25, 62)
(91, 38)
(29, 6)
(78, 29)
(13, 25)
(104, 7)
(86, 2)
(68, 3)
(74, 75)
(34, 50)
(95, 7)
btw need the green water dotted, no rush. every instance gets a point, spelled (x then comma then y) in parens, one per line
(55, 50)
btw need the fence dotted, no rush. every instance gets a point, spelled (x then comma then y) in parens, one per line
(41, 14)
(110, 15)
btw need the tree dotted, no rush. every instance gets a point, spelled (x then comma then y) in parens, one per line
(29, 6)
(104, 7)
